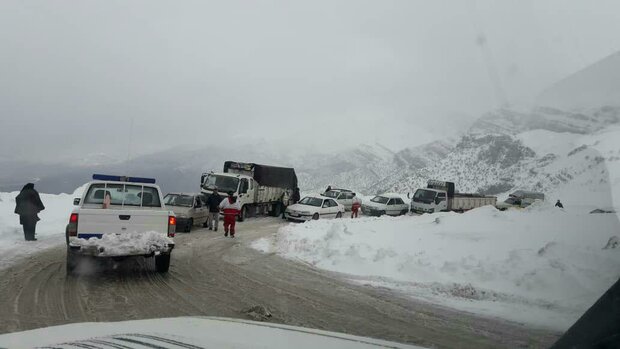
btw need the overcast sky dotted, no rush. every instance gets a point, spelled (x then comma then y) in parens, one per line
(73, 74)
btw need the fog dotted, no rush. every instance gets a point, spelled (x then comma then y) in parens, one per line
(132, 77)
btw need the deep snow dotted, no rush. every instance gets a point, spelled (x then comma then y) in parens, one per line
(541, 266)
(50, 229)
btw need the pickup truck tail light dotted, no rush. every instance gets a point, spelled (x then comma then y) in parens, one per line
(172, 226)
(73, 224)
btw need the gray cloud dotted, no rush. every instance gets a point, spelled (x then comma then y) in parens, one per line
(327, 73)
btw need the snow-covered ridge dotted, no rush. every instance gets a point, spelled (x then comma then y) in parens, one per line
(542, 266)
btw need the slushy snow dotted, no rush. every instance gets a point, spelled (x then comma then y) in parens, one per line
(541, 266)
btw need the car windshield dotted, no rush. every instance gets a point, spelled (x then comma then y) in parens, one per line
(424, 194)
(311, 201)
(223, 184)
(178, 200)
(380, 199)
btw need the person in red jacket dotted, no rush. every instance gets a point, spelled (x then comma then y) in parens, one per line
(357, 204)
(230, 208)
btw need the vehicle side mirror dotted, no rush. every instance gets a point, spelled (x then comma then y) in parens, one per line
(76, 201)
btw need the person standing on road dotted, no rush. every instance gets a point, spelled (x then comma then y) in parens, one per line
(285, 202)
(28, 205)
(295, 197)
(230, 207)
(213, 203)
(559, 204)
(357, 204)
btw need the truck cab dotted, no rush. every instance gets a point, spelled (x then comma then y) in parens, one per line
(120, 217)
(244, 188)
(429, 200)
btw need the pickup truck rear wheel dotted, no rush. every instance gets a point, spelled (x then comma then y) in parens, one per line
(162, 263)
(72, 262)
(190, 224)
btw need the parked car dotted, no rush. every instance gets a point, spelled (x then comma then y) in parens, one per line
(342, 196)
(385, 204)
(520, 199)
(314, 207)
(189, 208)
(119, 217)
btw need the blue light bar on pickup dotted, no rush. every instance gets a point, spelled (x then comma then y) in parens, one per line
(100, 177)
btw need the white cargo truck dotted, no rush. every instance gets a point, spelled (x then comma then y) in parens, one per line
(119, 217)
(441, 196)
(258, 188)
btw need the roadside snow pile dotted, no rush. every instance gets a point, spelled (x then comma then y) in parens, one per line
(127, 244)
(542, 266)
(50, 229)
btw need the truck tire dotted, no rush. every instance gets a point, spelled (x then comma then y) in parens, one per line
(72, 262)
(243, 214)
(315, 217)
(190, 224)
(162, 263)
(277, 210)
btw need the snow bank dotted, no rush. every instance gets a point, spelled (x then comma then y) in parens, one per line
(542, 266)
(50, 229)
(127, 244)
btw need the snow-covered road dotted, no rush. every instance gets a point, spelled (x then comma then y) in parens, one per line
(215, 276)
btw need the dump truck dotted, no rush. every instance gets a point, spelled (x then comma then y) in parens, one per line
(258, 188)
(441, 196)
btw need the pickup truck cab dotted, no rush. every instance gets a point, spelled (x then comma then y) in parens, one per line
(189, 208)
(441, 196)
(120, 217)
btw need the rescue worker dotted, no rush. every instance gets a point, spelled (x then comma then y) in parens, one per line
(295, 197)
(559, 204)
(230, 208)
(28, 205)
(213, 203)
(357, 204)
(285, 201)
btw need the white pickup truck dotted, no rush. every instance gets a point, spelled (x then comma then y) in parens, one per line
(441, 196)
(120, 217)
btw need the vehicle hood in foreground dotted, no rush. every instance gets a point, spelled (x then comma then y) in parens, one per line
(187, 332)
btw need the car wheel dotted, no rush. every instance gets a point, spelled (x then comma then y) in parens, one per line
(339, 215)
(403, 212)
(315, 216)
(382, 213)
(190, 224)
(162, 263)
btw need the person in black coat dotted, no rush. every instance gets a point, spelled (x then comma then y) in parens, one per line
(559, 204)
(295, 197)
(213, 202)
(28, 205)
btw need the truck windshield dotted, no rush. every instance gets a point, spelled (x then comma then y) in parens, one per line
(424, 194)
(178, 200)
(380, 199)
(310, 201)
(223, 184)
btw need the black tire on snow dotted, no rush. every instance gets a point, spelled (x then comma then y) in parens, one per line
(277, 210)
(339, 215)
(162, 263)
(243, 214)
(72, 262)
(190, 224)
(315, 216)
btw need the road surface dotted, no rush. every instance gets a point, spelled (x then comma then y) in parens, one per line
(211, 275)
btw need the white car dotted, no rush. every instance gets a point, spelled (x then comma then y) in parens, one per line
(189, 208)
(342, 196)
(385, 204)
(314, 207)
